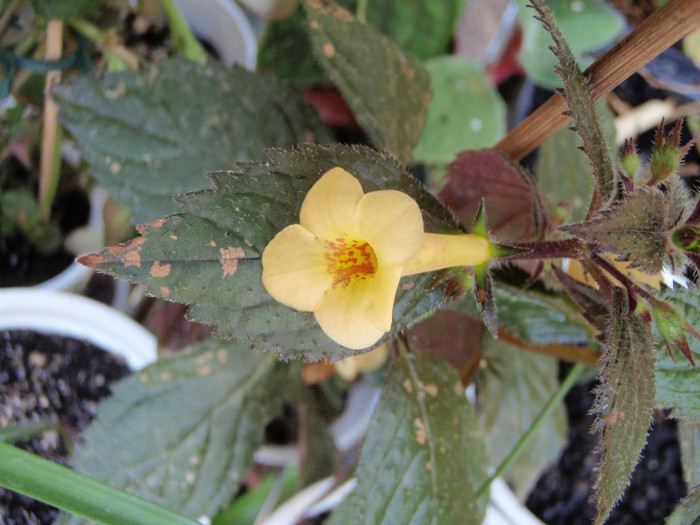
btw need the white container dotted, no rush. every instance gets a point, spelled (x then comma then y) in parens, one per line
(225, 26)
(71, 315)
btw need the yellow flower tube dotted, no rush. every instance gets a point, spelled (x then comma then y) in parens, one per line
(344, 259)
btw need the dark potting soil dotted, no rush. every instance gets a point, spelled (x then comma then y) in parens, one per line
(562, 495)
(49, 378)
(21, 264)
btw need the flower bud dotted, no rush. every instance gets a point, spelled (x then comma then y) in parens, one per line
(630, 158)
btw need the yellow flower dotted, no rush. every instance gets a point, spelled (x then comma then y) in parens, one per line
(344, 259)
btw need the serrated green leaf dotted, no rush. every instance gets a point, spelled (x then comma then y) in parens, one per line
(209, 255)
(465, 112)
(148, 137)
(513, 389)
(564, 175)
(689, 438)
(688, 511)
(625, 401)
(678, 384)
(581, 107)
(65, 9)
(182, 432)
(387, 89)
(633, 228)
(421, 461)
(421, 27)
(587, 25)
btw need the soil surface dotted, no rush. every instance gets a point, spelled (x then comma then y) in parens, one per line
(562, 494)
(49, 378)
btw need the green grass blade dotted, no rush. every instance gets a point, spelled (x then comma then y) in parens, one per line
(66, 489)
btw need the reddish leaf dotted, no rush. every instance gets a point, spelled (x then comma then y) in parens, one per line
(506, 189)
(453, 336)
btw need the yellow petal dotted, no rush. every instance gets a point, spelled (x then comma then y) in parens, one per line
(330, 208)
(350, 367)
(358, 315)
(391, 222)
(441, 251)
(295, 271)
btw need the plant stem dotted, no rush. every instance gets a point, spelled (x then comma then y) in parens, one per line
(563, 389)
(49, 165)
(653, 36)
(68, 490)
(118, 57)
(361, 11)
(183, 39)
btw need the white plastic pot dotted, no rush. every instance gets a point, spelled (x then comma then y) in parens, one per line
(71, 315)
(225, 26)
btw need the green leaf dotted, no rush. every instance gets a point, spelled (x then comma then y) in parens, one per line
(688, 511)
(678, 383)
(625, 401)
(533, 316)
(465, 112)
(148, 137)
(513, 389)
(421, 461)
(634, 228)
(286, 51)
(387, 89)
(421, 27)
(587, 25)
(689, 437)
(64, 9)
(582, 109)
(564, 175)
(210, 254)
(182, 432)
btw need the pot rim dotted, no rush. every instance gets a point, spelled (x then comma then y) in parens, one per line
(72, 315)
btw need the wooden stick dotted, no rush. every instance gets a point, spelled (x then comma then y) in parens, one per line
(54, 49)
(654, 35)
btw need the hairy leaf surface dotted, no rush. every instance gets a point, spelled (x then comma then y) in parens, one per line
(182, 432)
(153, 135)
(582, 108)
(635, 229)
(625, 401)
(387, 89)
(421, 461)
(209, 255)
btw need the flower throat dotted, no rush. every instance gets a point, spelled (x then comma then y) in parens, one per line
(350, 260)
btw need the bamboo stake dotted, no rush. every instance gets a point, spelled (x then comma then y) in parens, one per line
(47, 184)
(654, 35)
